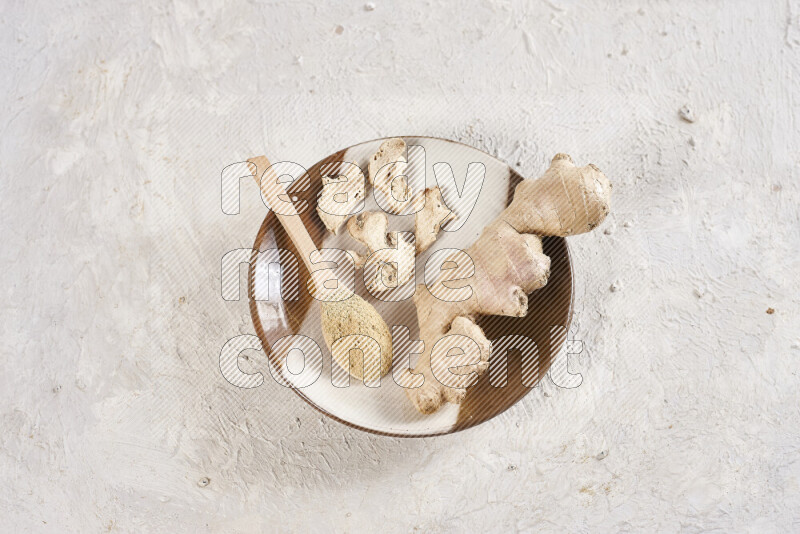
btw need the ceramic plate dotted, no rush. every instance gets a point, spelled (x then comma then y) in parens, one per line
(386, 409)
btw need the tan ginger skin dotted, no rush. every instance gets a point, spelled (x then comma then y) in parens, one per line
(430, 219)
(390, 162)
(352, 187)
(509, 264)
(369, 229)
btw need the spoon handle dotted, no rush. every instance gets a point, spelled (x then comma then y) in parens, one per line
(286, 213)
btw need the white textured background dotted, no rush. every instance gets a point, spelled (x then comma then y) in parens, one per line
(116, 122)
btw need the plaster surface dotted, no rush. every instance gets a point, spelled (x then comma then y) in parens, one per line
(116, 121)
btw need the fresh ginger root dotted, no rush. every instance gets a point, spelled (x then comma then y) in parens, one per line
(387, 168)
(509, 264)
(430, 219)
(343, 180)
(386, 175)
(566, 200)
(369, 229)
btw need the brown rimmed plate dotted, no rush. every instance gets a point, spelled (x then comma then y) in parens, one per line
(386, 410)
